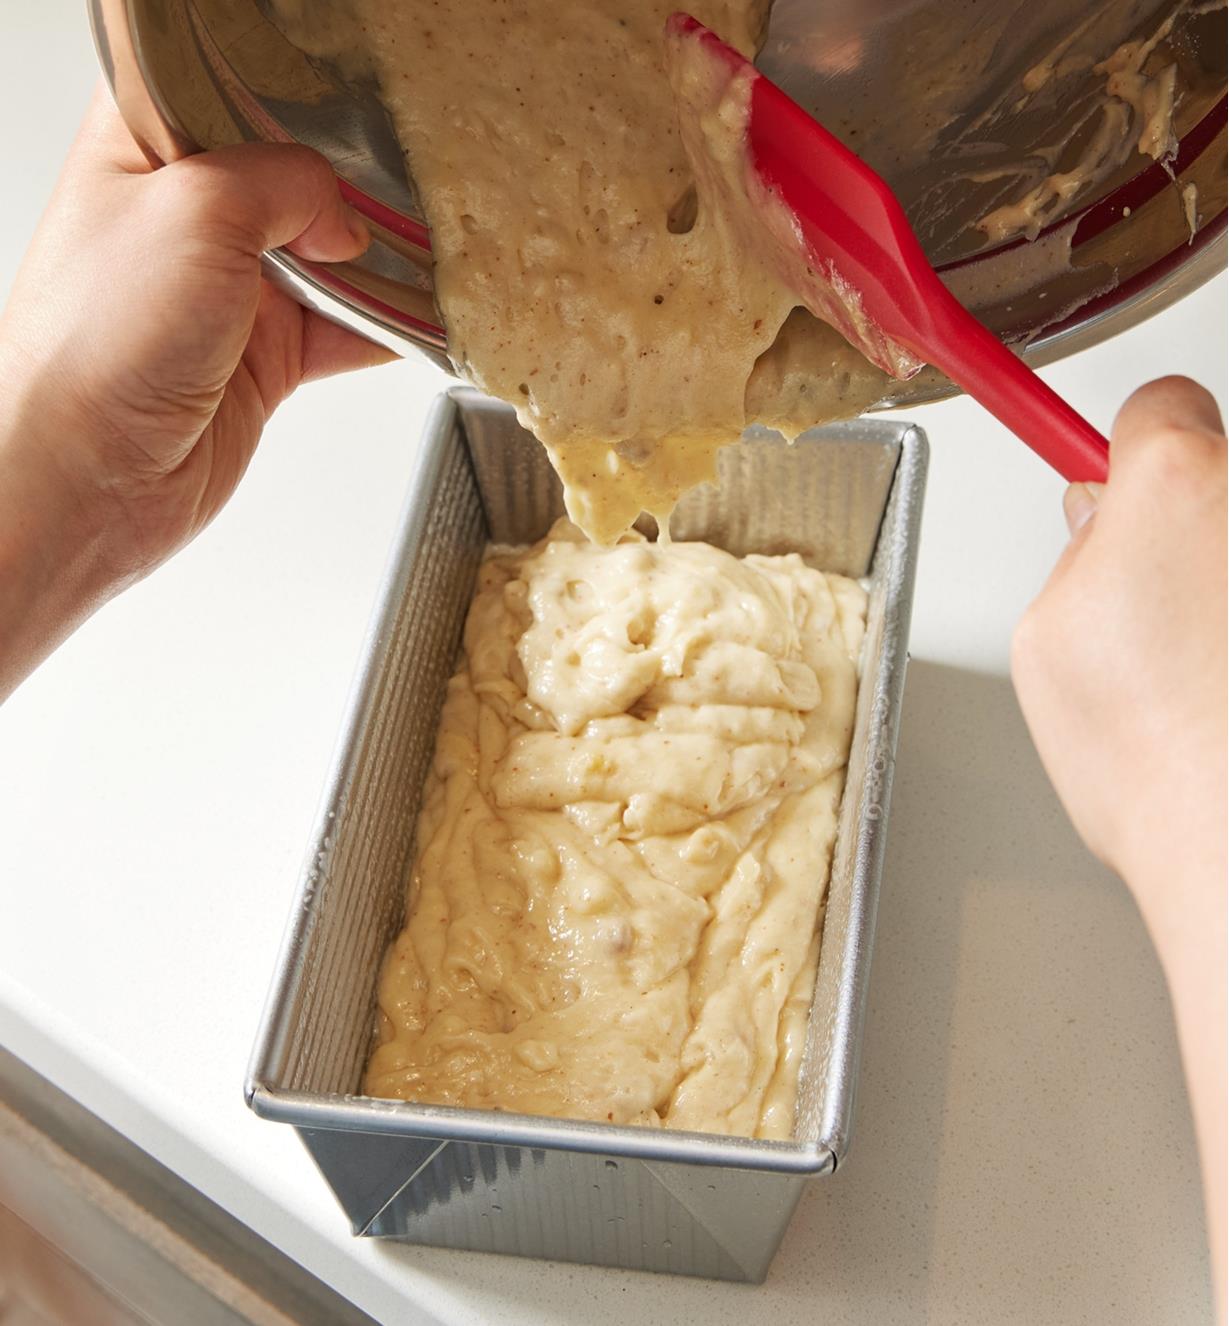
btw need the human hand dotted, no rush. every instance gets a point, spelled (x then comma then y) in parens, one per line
(141, 354)
(1120, 662)
(1121, 672)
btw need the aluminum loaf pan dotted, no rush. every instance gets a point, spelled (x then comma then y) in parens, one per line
(848, 497)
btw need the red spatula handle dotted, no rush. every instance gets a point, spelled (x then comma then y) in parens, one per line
(850, 229)
(975, 359)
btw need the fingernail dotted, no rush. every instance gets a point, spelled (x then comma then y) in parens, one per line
(1080, 503)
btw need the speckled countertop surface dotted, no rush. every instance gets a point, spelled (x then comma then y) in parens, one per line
(1023, 1151)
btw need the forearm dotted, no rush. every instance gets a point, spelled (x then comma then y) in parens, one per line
(1184, 905)
(53, 566)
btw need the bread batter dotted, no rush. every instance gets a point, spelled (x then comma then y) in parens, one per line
(625, 839)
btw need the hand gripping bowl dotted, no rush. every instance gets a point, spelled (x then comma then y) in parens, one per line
(941, 97)
(849, 499)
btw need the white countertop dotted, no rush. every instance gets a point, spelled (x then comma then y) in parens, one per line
(1022, 1149)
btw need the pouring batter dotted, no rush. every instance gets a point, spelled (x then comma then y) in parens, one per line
(579, 276)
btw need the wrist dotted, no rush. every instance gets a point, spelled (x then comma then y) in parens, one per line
(1176, 867)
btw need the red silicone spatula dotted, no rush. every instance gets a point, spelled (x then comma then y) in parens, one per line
(842, 241)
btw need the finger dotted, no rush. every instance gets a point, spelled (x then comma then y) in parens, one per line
(259, 196)
(330, 349)
(1160, 408)
(1080, 503)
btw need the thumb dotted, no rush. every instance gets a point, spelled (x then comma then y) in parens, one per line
(258, 196)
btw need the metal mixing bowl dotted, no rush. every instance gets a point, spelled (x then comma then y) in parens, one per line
(928, 91)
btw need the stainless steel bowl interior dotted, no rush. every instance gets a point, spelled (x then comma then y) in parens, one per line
(929, 91)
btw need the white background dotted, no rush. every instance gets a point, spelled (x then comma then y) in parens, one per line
(1023, 1151)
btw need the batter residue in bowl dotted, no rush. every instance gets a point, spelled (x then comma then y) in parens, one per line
(625, 839)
